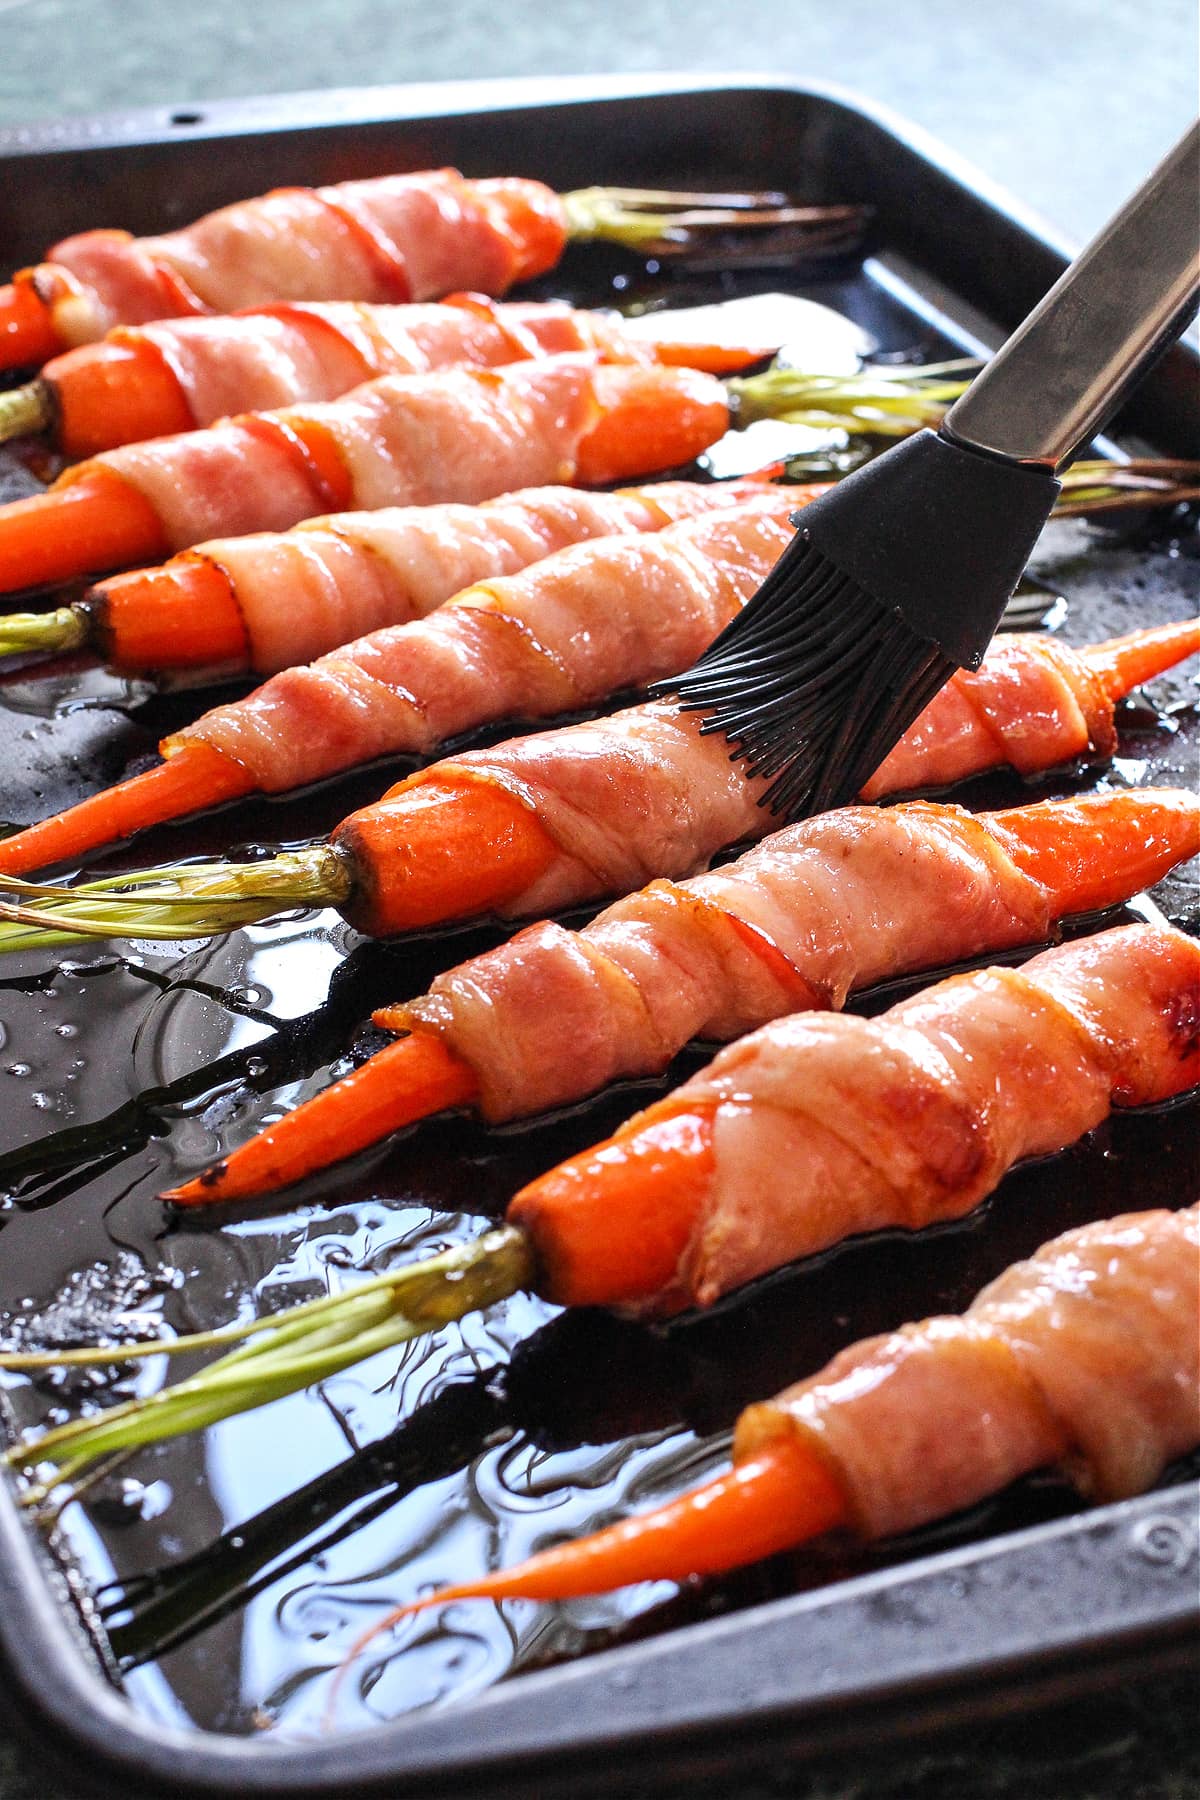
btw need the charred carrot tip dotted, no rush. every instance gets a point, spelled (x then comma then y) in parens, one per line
(612, 1224)
(403, 1082)
(27, 333)
(197, 776)
(96, 520)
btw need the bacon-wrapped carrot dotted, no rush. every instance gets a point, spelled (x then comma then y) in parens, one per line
(275, 599)
(544, 822)
(1082, 1357)
(389, 238)
(813, 1128)
(461, 434)
(816, 911)
(176, 374)
(559, 636)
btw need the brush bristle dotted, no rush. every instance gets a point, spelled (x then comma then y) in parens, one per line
(812, 684)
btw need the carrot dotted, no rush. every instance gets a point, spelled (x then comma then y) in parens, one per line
(438, 848)
(774, 1500)
(96, 521)
(407, 1080)
(181, 615)
(713, 359)
(27, 333)
(531, 218)
(652, 418)
(609, 1226)
(1095, 853)
(1124, 663)
(114, 392)
(195, 776)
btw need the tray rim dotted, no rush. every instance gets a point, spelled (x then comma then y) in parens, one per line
(40, 1642)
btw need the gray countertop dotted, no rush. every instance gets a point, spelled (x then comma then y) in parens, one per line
(1065, 102)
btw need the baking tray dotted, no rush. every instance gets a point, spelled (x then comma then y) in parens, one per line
(117, 1639)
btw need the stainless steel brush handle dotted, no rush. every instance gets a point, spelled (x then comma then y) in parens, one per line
(1066, 369)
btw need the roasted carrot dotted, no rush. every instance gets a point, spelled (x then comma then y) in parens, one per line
(183, 615)
(957, 1084)
(446, 849)
(266, 470)
(179, 374)
(555, 418)
(96, 520)
(27, 332)
(1124, 663)
(100, 395)
(396, 872)
(361, 1109)
(647, 1189)
(710, 553)
(393, 238)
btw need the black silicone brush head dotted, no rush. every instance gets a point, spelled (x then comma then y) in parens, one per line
(895, 579)
(816, 689)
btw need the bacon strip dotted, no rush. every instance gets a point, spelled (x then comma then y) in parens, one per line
(393, 238)
(558, 636)
(833, 903)
(278, 355)
(826, 1125)
(460, 434)
(643, 793)
(1084, 1355)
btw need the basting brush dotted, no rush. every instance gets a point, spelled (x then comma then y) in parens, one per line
(899, 575)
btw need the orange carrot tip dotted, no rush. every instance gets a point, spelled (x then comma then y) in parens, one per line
(409, 1080)
(775, 1500)
(194, 777)
(1124, 663)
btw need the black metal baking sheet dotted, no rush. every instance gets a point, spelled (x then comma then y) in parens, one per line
(1030, 1598)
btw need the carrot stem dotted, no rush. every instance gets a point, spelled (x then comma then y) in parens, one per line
(196, 776)
(24, 410)
(95, 521)
(276, 1355)
(44, 633)
(405, 1081)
